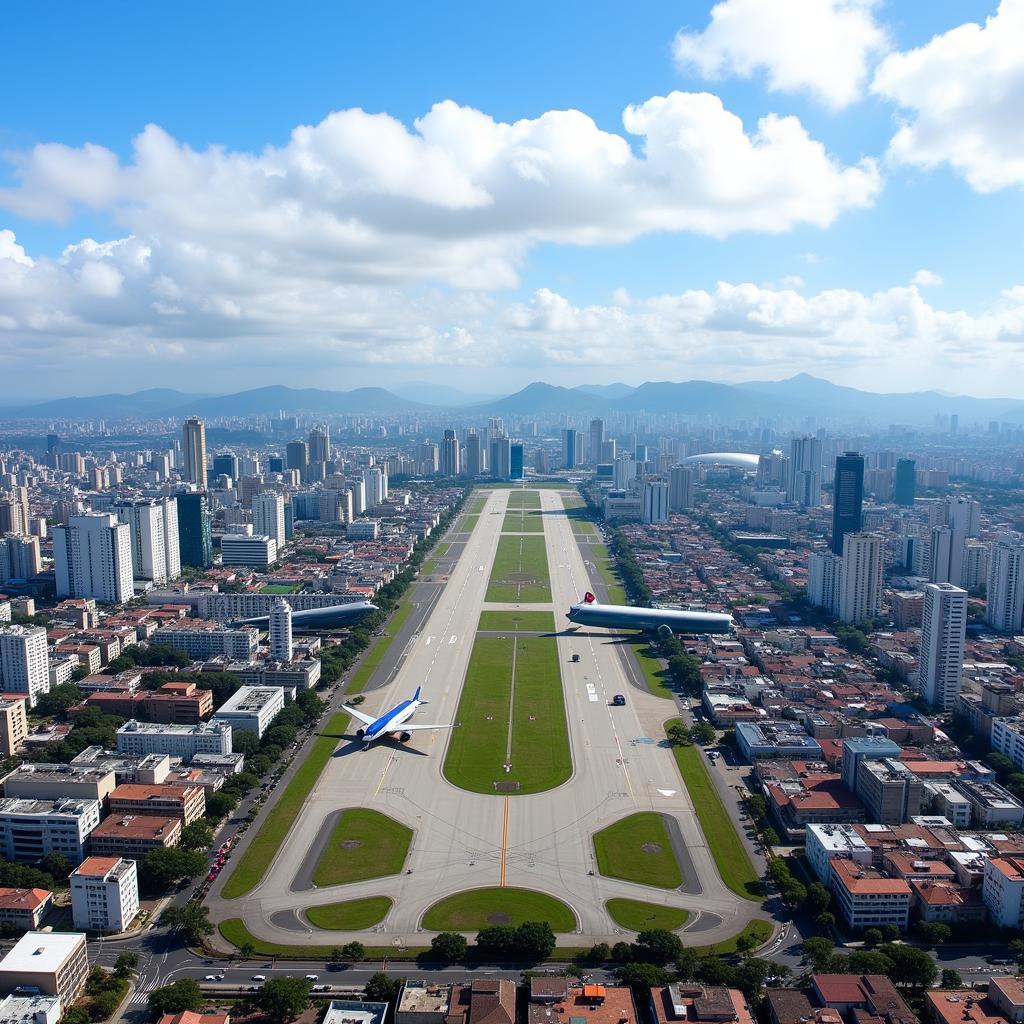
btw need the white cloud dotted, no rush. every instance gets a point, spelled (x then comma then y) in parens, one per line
(792, 281)
(964, 91)
(926, 279)
(458, 199)
(822, 47)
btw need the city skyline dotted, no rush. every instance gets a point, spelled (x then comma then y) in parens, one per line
(676, 194)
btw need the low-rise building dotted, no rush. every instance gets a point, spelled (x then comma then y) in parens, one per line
(240, 549)
(692, 1002)
(947, 901)
(201, 639)
(485, 1001)
(185, 802)
(104, 894)
(26, 1006)
(992, 806)
(55, 963)
(865, 898)
(826, 843)
(423, 1002)
(889, 789)
(1003, 1003)
(182, 741)
(24, 909)
(862, 998)
(39, 781)
(134, 835)
(355, 1011)
(251, 709)
(31, 829)
(776, 739)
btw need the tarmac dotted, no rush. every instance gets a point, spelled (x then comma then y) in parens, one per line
(542, 842)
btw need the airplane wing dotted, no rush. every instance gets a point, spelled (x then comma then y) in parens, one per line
(367, 719)
(413, 727)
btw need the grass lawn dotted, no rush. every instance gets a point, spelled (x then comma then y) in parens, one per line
(375, 656)
(726, 847)
(381, 845)
(250, 868)
(759, 931)
(602, 558)
(278, 588)
(638, 916)
(520, 571)
(350, 916)
(476, 504)
(467, 524)
(512, 621)
(479, 908)
(523, 520)
(638, 849)
(654, 671)
(440, 550)
(524, 499)
(583, 528)
(235, 932)
(540, 743)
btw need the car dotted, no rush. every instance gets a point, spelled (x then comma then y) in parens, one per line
(322, 988)
(211, 977)
(254, 988)
(619, 700)
(211, 876)
(258, 977)
(312, 977)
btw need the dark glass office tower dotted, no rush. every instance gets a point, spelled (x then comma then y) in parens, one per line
(847, 498)
(195, 539)
(906, 482)
(517, 462)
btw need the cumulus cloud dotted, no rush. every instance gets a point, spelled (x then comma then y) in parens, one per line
(926, 279)
(459, 198)
(821, 47)
(963, 92)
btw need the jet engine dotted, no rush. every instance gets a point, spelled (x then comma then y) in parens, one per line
(665, 631)
(405, 737)
(360, 733)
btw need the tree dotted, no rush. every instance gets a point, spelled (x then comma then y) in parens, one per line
(57, 865)
(496, 942)
(622, 952)
(599, 953)
(354, 951)
(656, 946)
(951, 979)
(819, 951)
(283, 999)
(126, 964)
(687, 963)
(872, 936)
(642, 977)
(534, 941)
(756, 806)
(381, 988)
(890, 932)
(76, 1015)
(219, 805)
(191, 921)
(197, 836)
(449, 947)
(934, 932)
(868, 961)
(770, 837)
(910, 965)
(161, 869)
(679, 735)
(184, 994)
(59, 699)
(819, 899)
(703, 733)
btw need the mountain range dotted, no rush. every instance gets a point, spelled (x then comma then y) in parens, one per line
(799, 396)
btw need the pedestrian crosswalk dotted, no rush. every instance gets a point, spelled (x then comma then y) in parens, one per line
(141, 995)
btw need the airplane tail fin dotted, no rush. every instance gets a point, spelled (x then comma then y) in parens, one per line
(416, 695)
(588, 598)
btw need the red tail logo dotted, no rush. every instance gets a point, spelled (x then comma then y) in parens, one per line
(589, 598)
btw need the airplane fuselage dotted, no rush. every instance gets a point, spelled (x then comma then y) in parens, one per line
(648, 620)
(391, 722)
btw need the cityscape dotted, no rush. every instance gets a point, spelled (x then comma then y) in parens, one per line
(475, 553)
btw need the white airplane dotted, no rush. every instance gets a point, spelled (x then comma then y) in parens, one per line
(394, 722)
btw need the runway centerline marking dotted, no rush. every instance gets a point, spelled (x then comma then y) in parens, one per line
(383, 774)
(504, 844)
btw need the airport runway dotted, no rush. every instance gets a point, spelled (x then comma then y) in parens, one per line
(463, 840)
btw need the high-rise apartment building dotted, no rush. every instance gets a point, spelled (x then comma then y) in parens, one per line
(19, 558)
(450, 462)
(654, 508)
(24, 661)
(1005, 590)
(596, 441)
(195, 535)
(804, 484)
(375, 482)
(906, 482)
(847, 498)
(153, 529)
(280, 635)
(473, 466)
(824, 570)
(193, 443)
(501, 458)
(681, 480)
(860, 577)
(268, 516)
(943, 631)
(93, 558)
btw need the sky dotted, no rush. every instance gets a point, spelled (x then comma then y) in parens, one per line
(221, 196)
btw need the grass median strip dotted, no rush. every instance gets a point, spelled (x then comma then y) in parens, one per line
(656, 674)
(252, 865)
(235, 931)
(364, 844)
(479, 908)
(520, 571)
(511, 622)
(523, 521)
(638, 916)
(524, 499)
(731, 856)
(602, 558)
(375, 656)
(522, 725)
(350, 915)
(638, 849)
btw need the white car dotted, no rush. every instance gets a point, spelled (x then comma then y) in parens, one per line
(258, 977)
(211, 977)
(312, 977)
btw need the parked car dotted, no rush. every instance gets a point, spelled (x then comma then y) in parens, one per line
(210, 977)
(575, 657)
(321, 988)
(312, 977)
(259, 977)
(619, 700)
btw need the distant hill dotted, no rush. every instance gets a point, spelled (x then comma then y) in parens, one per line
(609, 391)
(270, 400)
(540, 399)
(148, 404)
(440, 395)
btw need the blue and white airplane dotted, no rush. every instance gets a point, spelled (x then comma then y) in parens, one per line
(394, 722)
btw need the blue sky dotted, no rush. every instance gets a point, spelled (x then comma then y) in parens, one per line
(610, 293)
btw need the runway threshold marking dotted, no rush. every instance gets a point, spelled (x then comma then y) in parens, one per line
(504, 844)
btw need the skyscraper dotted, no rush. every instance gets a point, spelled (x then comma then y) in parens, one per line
(906, 482)
(449, 454)
(225, 464)
(824, 570)
(804, 484)
(964, 518)
(680, 488)
(569, 444)
(268, 516)
(375, 482)
(193, 442)
(943, 631)
(19, 558)
(654, 507)
(320, 444)
(1005, 590)
(296, 455)
(24, 661)
(93, 558)
(860, 577)
(153, 526)
(280, 634)
(195, 538)
(847, 498)
(596, 441)
(501, 458)
(473, 466)
(516, 462)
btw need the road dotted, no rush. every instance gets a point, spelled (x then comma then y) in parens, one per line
(462, 840)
